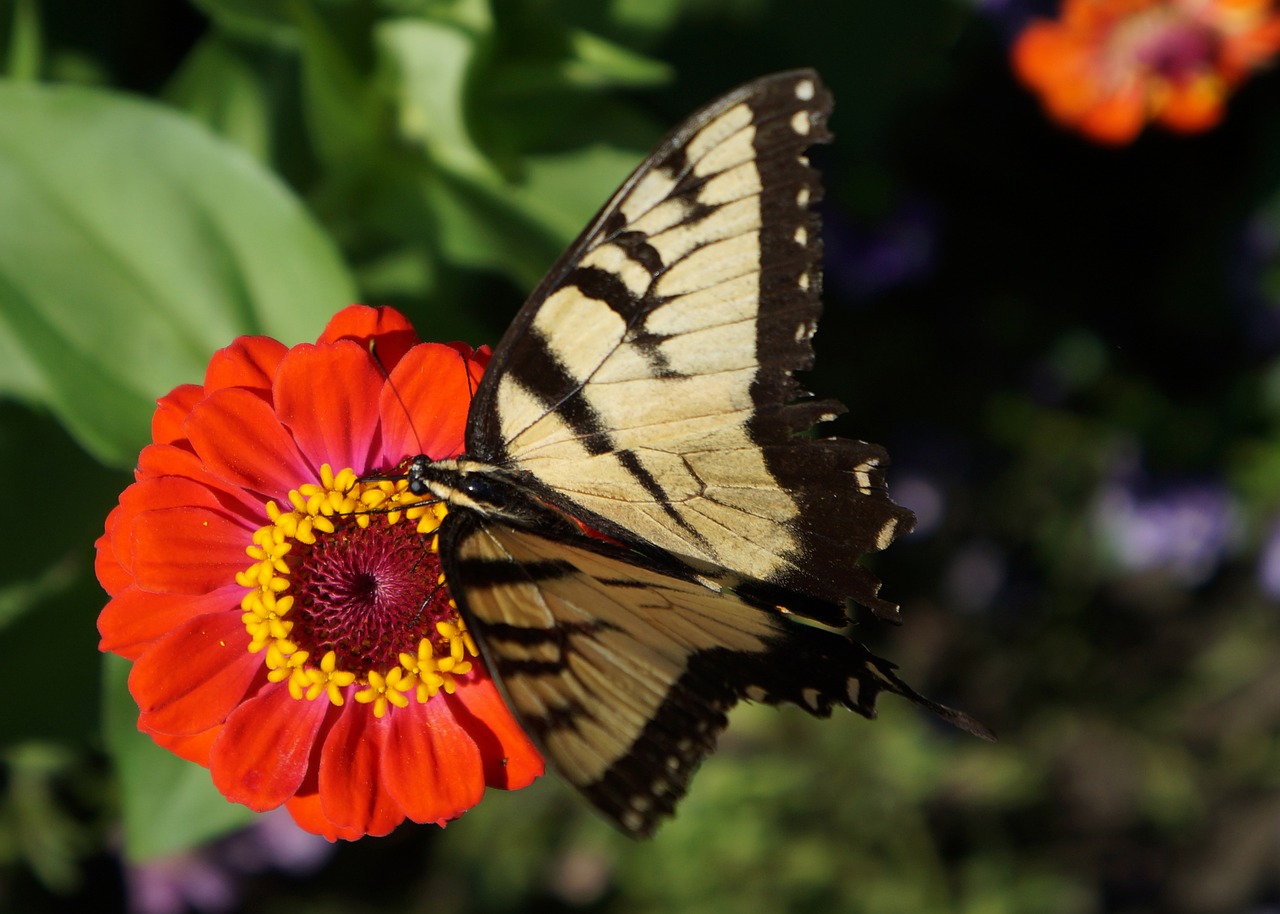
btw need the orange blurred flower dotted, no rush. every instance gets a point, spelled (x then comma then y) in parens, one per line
(1107, 67)
(288, 620)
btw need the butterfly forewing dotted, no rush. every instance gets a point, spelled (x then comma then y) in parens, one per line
(624, 672)
(646, 386)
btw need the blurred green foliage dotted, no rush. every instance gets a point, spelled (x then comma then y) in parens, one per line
(1071, 353)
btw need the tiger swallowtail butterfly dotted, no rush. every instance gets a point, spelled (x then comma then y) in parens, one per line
(645, 391)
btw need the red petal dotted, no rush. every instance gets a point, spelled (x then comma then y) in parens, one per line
(194, 748)
(176, 493)
(158, 460)
(113, 576)
(148, 495)
(260, 757)
(134, 618)
(352, 792)
(1117, 119)
(435, 383)
(193, 677)
(169, 492)
(169, 460)
(386, 328)
(250, 361)
(187, 550)
(309, 814)
(431, 765)
(328, 398)
(172, 410)
(238, 437)
(511, 761)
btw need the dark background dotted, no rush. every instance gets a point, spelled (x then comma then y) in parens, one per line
(1069, 351)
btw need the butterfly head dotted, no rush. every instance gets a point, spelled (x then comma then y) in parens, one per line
(459, 482)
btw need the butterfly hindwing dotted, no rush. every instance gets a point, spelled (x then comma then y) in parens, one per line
(623, 672)
(646, 387)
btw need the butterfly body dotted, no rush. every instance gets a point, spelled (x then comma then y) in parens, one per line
(645, 393)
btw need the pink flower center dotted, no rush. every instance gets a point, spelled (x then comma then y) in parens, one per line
(1165, 42)
(368, 594)
(1179, 51)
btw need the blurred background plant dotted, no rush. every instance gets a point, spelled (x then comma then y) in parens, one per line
(1069, 349)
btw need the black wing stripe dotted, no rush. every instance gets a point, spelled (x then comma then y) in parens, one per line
(606, 286)
(552, 384)
(499, 573)
(524, 635)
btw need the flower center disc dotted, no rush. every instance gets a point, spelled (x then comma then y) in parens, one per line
(367, 594)
(345, 593)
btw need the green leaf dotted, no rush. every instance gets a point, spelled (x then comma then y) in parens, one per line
(343, 105)
(268, 21)
(647, 17)
(168, 804)
(430, 63)
(134, 243)
(219, 88)
(562, 191)
(519, 229)
(22, 60)
(599, 63)
(47, 585)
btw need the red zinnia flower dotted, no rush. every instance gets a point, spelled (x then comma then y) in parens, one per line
(328, 669)
(1107, 67)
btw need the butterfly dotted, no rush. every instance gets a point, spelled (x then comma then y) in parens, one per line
(639, 534)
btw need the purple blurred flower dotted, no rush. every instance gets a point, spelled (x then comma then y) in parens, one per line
(1184, 529)
(1269, 564)
(1254, 274)
(975, 575)
(275, 842)
(864, 262)
(924, 496)
(1012, 16)
(209, 880)
(183, 882)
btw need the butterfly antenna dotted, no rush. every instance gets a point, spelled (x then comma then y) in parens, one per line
(386, 375)
(471, 383)
(426, 601)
